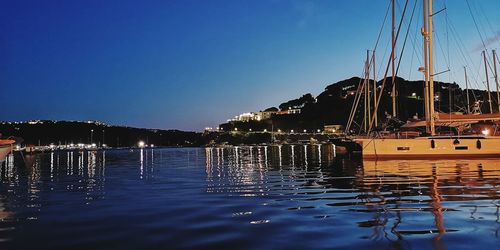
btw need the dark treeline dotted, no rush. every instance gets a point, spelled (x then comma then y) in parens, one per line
(66, 132)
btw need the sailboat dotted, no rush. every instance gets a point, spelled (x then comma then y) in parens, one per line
(434, 145)
(6, 147)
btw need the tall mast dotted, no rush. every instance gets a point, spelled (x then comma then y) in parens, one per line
(367, 79)
(487, 81)
(496, 77)
(426, 69)
(365, 99)
(431, 72)
(374, 89)
(467, 90)
(393, 93)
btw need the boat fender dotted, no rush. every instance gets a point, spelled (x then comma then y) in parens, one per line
(456, 141)
(433, 144)
(478, 144)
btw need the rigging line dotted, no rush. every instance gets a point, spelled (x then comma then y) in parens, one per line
(442, 51)
(383, 57)
(383, 25)
(413, 42)
(380, 32)
(447, 32)
(466, 57)
(404, 42)
(481, 23)
(486, 17)
(406, 37)
(475, 23)
(377, 101)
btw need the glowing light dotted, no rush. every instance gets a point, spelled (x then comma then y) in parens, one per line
(250, 130)
(265, 130)
(291, 131)
(485, 131)
(319, 130)
(141, 144)
(305, 131)
(279, 130)
(235, 129)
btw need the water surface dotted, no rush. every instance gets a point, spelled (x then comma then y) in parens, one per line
(286, 197)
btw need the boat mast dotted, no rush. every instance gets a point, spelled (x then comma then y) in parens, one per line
(425, 69)
(431, 72)
(365, 99)
(393, 93)
(367, 79)
(467, 90)
(496, 77)
(374, 89)
(487, 81)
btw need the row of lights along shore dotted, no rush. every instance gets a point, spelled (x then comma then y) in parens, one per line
(292, 131)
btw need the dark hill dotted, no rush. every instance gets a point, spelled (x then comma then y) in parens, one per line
(334, 104)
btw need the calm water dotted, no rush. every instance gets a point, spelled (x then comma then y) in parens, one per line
(288, 197)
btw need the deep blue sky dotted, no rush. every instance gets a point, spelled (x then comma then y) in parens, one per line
(190, 64)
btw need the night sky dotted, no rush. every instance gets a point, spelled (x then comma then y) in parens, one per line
(191, 64)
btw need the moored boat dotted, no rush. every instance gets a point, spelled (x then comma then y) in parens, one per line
(431, 144)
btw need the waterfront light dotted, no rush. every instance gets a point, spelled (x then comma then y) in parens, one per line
(141, 144)
(485, 131)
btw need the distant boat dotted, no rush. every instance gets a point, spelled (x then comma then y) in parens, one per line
(435, 145)
(6, 147)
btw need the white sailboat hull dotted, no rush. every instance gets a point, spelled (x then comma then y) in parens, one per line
(430, 147)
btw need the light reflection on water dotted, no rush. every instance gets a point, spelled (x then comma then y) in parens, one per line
(290, 196)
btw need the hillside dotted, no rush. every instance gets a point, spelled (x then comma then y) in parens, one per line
(334, 104)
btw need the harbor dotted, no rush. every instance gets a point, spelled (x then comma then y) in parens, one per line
(234, 195)
(290, 124)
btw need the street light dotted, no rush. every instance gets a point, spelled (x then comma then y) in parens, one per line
(91, 136)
